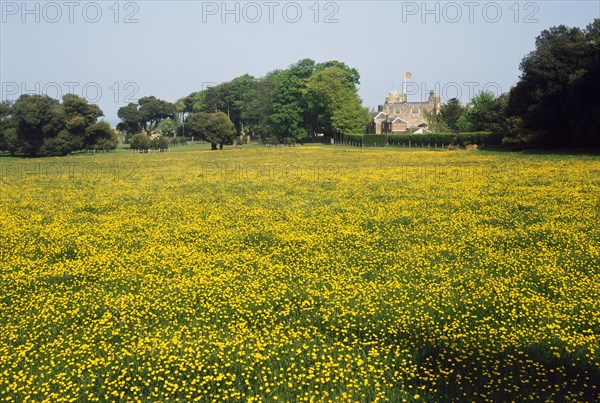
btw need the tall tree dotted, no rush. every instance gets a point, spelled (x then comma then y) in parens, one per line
(244, 103)
(487, 113)
(146, 115)
(43, 126)
(451, 112)
(6, 124)
(79, 116)
(100, 136)
(289, 115)
(183, 108)
(582, 103)
(264, 101)
(277, 104)
(216, 128)
(131, 119)
(436, 123)
(552, 84)
(352, 75)
(333, 103)
(37, 118)
(153, 111)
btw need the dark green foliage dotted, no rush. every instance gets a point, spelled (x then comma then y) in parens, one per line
(64, 143)
(9, 140)
(6, 125)
(100, 136)
(380, 140)
(195, 124)
(40, 126)
(315, 140)
(146, 115)
(140, 141)
(79, 114)
(216, 128)
(583, 106)
(556, 98)
(219, 130)
(131, 119)
(480, 138)
(289, 109)
(159, 143)
(36, 118)
(353, 139)
(451, 112)
(153, 111)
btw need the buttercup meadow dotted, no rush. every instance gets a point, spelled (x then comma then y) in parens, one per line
(300, 274)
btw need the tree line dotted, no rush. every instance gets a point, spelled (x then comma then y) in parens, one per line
(555, 103)
(306, 99)
(38, 125)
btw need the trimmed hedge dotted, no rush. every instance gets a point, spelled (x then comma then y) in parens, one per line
(315, 140)
(479, 138)
(355, 140)
(380, 140)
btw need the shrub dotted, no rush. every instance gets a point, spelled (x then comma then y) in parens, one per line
(105, 144)
(268, 140)
(179, 141)
(160, 143)
(64, 143)
(140, 141)
(100, 136)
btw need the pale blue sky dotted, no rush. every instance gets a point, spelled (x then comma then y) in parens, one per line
(172, 48)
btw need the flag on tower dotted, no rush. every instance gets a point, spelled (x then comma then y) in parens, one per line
(407, 74)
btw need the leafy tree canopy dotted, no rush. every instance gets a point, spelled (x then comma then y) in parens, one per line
(40, 125)
(554, 99)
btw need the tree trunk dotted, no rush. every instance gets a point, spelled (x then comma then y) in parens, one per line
(213, 146)
(220, 146)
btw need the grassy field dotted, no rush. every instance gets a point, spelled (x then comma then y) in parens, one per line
(298, 274)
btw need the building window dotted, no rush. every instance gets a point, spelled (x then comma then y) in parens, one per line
(415, 112)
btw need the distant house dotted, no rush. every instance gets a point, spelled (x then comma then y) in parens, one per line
(397, 115)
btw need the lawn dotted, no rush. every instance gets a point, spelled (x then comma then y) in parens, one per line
(298, 274)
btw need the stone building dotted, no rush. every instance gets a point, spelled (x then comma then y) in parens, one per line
(397, 115)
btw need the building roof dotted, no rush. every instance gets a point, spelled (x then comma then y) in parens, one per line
(378, 116)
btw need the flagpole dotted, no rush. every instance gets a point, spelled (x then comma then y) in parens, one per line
(403, 83)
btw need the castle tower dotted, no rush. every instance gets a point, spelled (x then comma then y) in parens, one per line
(435, 102)
(394, 96)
